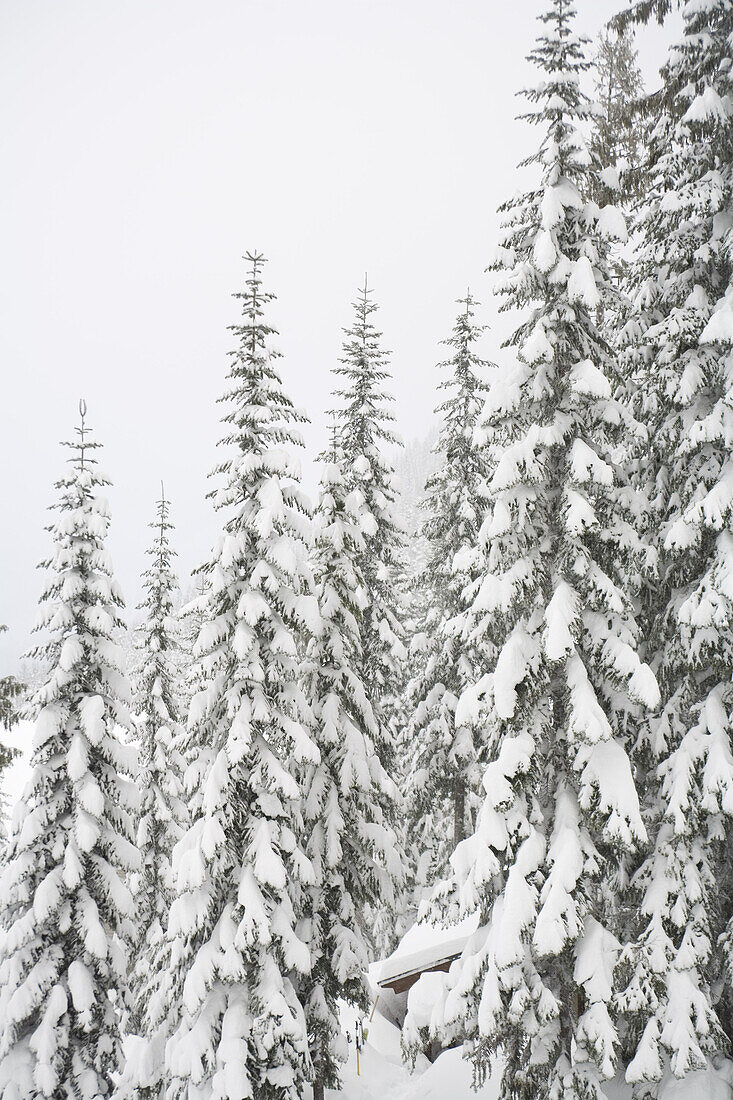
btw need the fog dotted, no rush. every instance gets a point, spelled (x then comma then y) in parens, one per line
(147, 146)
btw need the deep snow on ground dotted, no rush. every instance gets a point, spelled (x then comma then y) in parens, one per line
(383, 1076)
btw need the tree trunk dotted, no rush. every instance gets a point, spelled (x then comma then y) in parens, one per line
(459, 810)
(318, 1090)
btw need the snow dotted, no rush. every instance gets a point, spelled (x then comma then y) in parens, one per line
(424, 945)
(511, 668)
(586, 465)
(81, 986)
(612, 224)
(719, 328)
(707, 107)
(586, 378)
(544, 253)
(560, 614)
(537, 347)
(384, 1076)
(582, 284)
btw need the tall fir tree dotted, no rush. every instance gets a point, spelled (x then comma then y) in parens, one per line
(238, 951)
(561, 808)
(678, 355)
(157, 723)
(350, 842)
(66, 907)
(444, 775)
(365, 430)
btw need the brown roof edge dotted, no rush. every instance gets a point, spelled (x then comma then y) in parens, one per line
(401, 982)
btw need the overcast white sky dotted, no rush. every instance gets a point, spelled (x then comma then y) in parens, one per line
(147, 144)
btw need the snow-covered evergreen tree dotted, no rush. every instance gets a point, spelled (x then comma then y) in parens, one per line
(444, 771)
(238, 951)
(157, 723)
(678, 348)
(350, 842)
(66, 907)
(365, 430)
(560, 800)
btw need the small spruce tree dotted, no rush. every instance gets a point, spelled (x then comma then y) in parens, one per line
(157, 724)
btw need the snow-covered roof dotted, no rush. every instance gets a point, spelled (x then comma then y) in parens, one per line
(425, 946)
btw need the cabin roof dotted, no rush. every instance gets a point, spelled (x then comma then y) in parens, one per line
(420, 961)
(423, 948)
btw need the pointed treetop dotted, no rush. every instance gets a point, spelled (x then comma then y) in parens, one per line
(82, 431)
(163, 525)
(559, 53)
(255, 258)
(254, 299)
(364, 306)
(468, 302)
(81, 459)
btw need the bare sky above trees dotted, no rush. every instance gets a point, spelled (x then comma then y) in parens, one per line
(147, 146)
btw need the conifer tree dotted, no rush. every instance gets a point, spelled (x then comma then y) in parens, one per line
(444, 774)
(66, 908)
(677, 345)
(365, 430)
(350, 842)
(238, 952)
(157, 723)
(561, 808)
